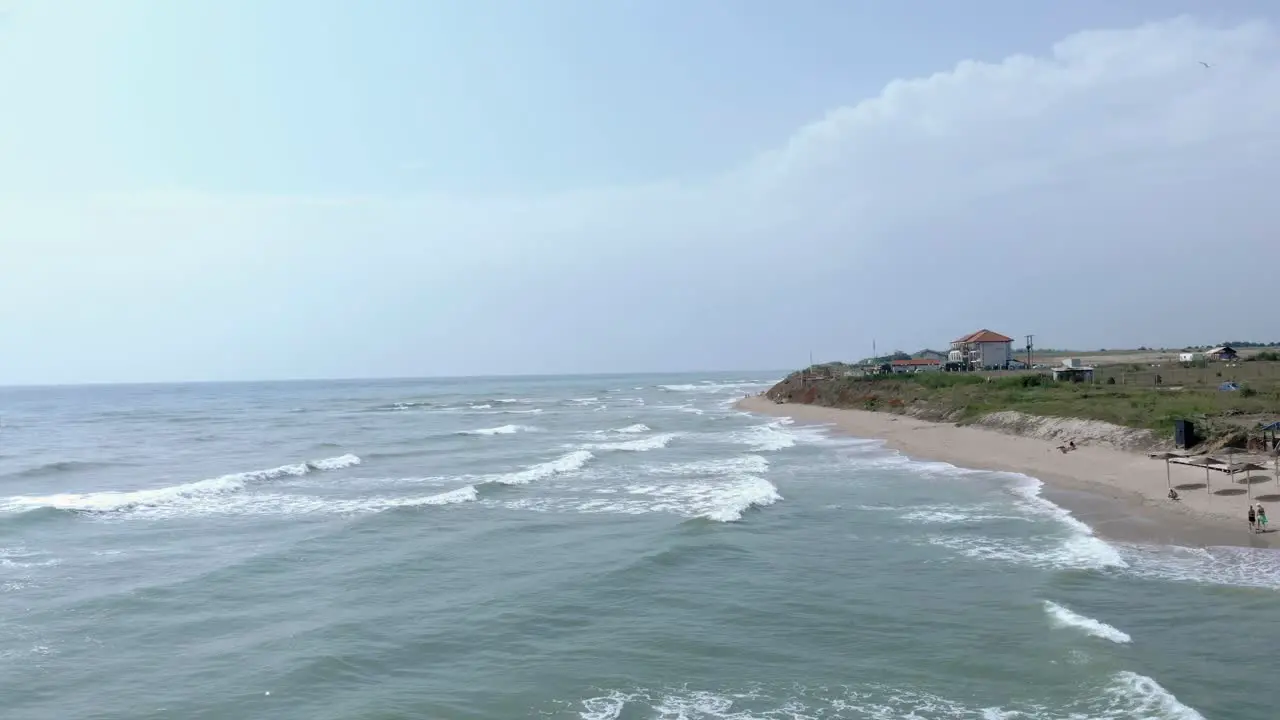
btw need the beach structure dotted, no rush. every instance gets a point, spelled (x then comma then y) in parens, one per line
(1222, 353)
(1191, 358)
(982, 350)
(1072, 370)
(1206, 462)
(916, 365)
(1246, 468)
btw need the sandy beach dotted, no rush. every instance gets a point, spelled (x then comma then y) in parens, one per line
(1122, 495)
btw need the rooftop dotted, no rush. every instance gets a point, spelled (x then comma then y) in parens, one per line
(984, 335)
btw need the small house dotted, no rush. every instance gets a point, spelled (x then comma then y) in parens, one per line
(1222, 353)
(928, 354)
(1190, 358)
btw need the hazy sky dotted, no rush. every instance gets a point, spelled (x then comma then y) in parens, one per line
(240, 189)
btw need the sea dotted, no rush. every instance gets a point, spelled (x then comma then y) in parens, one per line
(625, 547)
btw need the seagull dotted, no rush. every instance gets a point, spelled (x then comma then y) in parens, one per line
(1205, 64)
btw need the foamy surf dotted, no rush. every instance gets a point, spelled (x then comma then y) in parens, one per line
(653, 442)
(500, 430)
(1063, 618)
(562, 465)
(113, 500)
(1125, 696)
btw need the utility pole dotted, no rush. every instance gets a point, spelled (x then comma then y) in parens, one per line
(1030, 345)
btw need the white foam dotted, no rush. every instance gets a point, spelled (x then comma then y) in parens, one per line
(949, 515)
(631, 429)
(1064, 618)
(778, 434)
(113, 500)
(335, 463)
(1140, 696)
(533, 411)
(484, 406)
(735, 465)
(1231, 566)
(653, 442)
(728, 503)
(290, 504)
(1076, 552)
(502, 430)
(22, 558)
(568, 463)
(1126, 696)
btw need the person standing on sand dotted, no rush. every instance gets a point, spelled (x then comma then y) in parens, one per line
(1252, 520)
(1261, 517)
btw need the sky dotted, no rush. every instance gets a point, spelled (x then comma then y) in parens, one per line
(271, 189)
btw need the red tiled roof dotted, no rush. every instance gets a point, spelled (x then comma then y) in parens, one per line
(984, 335)
(918, 361)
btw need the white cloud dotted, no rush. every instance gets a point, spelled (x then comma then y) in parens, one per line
(1111, 191)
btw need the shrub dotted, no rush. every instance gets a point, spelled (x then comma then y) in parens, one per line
(1247, 392)
(1111, 381)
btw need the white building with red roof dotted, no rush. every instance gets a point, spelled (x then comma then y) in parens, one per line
(984, 349)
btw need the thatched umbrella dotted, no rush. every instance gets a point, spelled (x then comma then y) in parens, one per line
(1166, 456)
(1247, 469)
(1205, 462)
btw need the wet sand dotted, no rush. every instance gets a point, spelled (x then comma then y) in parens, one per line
(1122, 495)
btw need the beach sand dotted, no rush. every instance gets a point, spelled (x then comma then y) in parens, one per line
(1122, 495)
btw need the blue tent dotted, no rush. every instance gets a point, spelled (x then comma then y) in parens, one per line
(1228, 386)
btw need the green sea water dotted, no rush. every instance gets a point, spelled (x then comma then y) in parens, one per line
(592, 547)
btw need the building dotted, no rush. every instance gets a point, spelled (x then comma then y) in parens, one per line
(1224, 352)
(928, 354)
(1073, 371)
(983, 350)
(1190, 358)
(916, 365)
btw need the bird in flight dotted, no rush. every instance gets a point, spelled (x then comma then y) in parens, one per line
(1205, 64)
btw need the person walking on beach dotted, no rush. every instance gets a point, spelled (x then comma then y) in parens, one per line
(1261, 518)
(1252, 520)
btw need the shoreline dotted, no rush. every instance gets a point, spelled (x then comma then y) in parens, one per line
(1121, 495)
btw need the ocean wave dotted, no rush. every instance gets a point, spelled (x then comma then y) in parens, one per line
(1124, 696)
(114, 500)
(502, 430)
(734, 465)
(778, 434)
(653, 442)
(723, 501)
(1230, 566)
(1080, 549)
(58, 467)
(632, 429)
(562, 465)
(22, 558)
(1062, 617)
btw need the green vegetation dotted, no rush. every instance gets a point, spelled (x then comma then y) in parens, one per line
(1129, 395)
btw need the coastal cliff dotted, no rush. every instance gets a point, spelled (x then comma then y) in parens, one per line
(1025, 405)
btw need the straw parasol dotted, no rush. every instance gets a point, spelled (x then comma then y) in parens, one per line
(1206, 462)
(1247, 469)
(1166, 456)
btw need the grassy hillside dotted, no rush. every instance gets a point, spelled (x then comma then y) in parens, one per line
(1125, 395)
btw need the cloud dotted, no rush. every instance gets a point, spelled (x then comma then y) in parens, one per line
(1111, 191)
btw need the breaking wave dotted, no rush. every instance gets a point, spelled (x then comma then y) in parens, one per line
(1124, 696)
(562, 465)
(113, 500)
(1062, 617)
(653, 442)
(502, 430)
